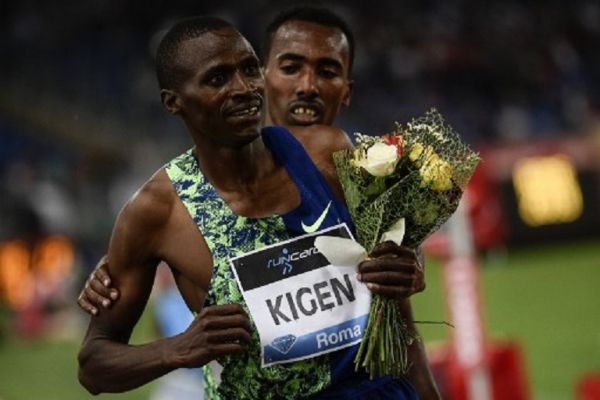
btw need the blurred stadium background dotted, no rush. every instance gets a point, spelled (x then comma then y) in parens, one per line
(81, 127)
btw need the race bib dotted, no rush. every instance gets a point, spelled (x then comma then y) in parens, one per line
(302, 305)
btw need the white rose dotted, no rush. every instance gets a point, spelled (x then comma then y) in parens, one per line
(380, 160)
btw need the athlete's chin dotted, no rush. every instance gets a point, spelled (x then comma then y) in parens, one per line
(293, 120)
(247, 137)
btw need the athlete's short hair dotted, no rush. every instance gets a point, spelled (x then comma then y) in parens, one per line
(169, 72)
(308, 13)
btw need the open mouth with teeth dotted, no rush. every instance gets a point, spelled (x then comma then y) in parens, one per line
(305, 115)
(251, 111)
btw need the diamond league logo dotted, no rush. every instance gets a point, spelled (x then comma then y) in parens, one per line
(283, 344)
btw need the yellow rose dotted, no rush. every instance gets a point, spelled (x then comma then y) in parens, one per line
(420, 154)
(415, 152)
(437, 173)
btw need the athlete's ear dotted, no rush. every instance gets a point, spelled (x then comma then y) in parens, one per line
(348, 95)
(170, 101)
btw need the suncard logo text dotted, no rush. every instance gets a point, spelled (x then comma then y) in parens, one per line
(285, 260)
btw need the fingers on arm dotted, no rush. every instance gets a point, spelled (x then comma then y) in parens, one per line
(98, 293)
(101, 273)
(95, 295)
(102, 276)
(85, 305)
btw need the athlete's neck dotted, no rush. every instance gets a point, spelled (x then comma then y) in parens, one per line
(248, 179)
(231, 167)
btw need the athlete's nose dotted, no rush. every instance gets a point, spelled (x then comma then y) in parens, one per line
(307, 84)
(242, 84)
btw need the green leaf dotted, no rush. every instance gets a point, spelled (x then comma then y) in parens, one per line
(376, 187)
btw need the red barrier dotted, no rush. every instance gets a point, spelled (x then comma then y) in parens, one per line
(588, 387)
(506, 368)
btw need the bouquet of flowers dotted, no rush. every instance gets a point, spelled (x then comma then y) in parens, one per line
(416, 174)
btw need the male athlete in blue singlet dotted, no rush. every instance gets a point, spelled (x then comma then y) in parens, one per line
(308, 108)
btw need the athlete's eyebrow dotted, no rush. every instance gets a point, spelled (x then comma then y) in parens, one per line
(328, 61)
(217, 69)
(291, 56)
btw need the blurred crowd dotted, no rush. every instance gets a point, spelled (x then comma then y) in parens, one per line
(81, 125)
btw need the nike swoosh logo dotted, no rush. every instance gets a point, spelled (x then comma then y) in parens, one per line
(313, 227)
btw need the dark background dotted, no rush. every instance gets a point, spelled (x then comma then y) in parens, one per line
(81, 125)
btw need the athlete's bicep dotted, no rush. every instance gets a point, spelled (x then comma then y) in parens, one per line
(337, 140)
(341, 141)
(132, 265)
(187, 253)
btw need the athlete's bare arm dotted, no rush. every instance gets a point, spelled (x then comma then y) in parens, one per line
(150, 228)
(321, 141)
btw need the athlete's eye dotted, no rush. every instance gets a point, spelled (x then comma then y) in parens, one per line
(289, 69)
(328, 72)
(251, 69)
(217, 79)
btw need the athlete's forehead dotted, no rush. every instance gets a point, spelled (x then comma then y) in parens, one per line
(223, 45)
(309, 40)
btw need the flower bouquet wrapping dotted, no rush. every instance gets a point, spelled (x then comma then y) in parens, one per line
(416, 175)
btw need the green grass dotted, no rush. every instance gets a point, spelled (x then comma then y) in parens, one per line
(48, 369)
(546, 298)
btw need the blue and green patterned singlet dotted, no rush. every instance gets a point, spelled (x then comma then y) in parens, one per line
(229, 235)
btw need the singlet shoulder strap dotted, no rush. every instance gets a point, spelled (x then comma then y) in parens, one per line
(288, 151)
(291, 154)
(315, 191)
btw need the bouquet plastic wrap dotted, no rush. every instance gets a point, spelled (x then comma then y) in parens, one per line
(416, 174)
